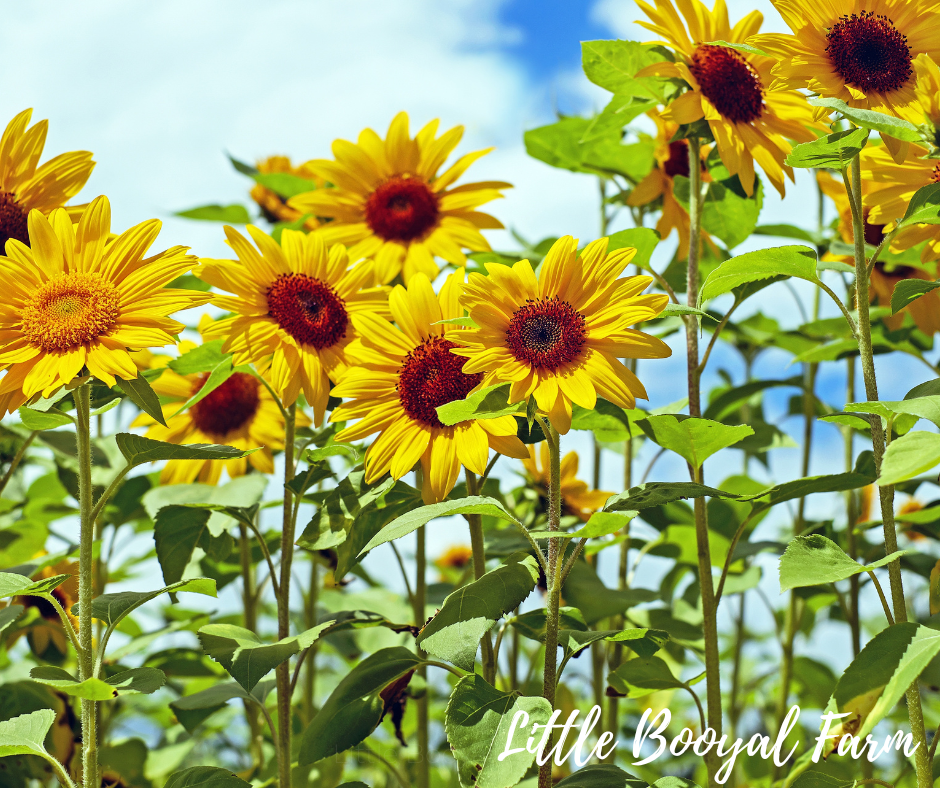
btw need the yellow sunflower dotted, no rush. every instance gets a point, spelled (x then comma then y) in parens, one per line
(240, 413)
(927, 91)
(399, 379)
(391, 205)
(453, 563)
(24, 186)
(672, 159)
(925, 311)
(859, 51)
(273, 206)
(292, 306)
(76, 300)
(728, 88)
(576, 499)
(560, 336)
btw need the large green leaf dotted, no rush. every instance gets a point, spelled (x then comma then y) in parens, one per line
(412, 521)
(205, 777)
(909, 456)
(138, 450)
(43, 420)
(135, 681)
(638, 677)
(609, 423)
(926, 407)
(908, 290)
(613, 65)
(879, 676)
(19, 585)
(193, 710)
(924, 208)
(143, 396)
(26, 734)
(814, 560)
(177, 531)
(695, 440)
(729, 400)
(584, 590)
(111, 608)
(230, 214)
(477, 723)
(284, 184)
(652, 494)
(643, 239)
(489, 403)
(796, 261)
(470, 612)
(603, 775)
(603, 524)
(833, 151)
(868, 119)
(355, 708)
(800, 488)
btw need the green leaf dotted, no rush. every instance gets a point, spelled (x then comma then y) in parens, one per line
(614, 64)
(230, 214)
(924, 208)
(9, 615)
(584, 590)
(454, 633)
(477, 723)
(355, 707)
(730, 400)
(909, 456)
(788, 231)
(643, 239)
(178, 531)
(489, 403)
(681, 309)
(129, 682)
(878, 677)
(834, 151)
(925, 407)
(284, 184)
(143, 396)
(412, 521)
(244, 169)
(800, 488)
(727, 213)
(19, 585)
(138, 450)
(908, 290)
(202, 358)
(205, 777)
(610, 423)
(797, 261)
(695, 440)
(652, 494)
(603, 524)
(815, 560)
(868, 119)
(38, 420)
(193, 710)
(814, 779)
(603, 775)
(26, 734)
(112, 608)
(636, 678)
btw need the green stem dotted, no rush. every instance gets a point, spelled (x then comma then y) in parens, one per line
(252, 714)
(17, 458)
(852, 511)
(283, 606)
(310, 621)
(420, 605)
(886, 492)
(86, 658)
(479, 569)
(554, 591)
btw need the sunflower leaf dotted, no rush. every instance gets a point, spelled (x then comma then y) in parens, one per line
(19, 585)
(284, 184)
(795, 261)
(695, 440)
(48, 420)
(138, 450)
(230, 214)
(26, 734)
(815, 560)
(112, 608)
(143, 396)
(868, 119)
(834, 151)
(489, 403)
(909, 456)
(205, 777)
(924, 208)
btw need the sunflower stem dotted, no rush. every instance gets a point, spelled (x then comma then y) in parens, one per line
(554, 590)
(86, 657)
(252, 714)
(283, 605)
(420, 603)
(479, 569)
(310, 616)
(886, 492)
(17, 459)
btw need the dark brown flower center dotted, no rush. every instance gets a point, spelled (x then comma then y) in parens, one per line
(12, 221)
(308, 309)
(729, 82)
(402, 209)
(869, 52)
(935, 173)
(547, 333)
(227, 408)
(898, 272)
(678, 161)
(432, 376)
(874, 233)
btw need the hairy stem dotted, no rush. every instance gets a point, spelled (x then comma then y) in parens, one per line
(420, 603)
(283, 605)
(249, 605)
(479, 569)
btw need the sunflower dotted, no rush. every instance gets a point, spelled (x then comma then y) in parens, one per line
(401, 375)
(576, 499)
(273, 206)
(728, 88)
(46, 637)
(671, 159)
(24, 187)
(390, 204)
(240, 413)
(292, 307)
(928, 95)
(77, 300)
(453, 563)
(925, 311)
(859, 51)
(560, 336)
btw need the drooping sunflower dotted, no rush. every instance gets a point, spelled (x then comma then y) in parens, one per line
(560, 336)
(728, 88)
(672, 159)
(859, 51)
(292, 306)
(399, 379)
(925, 311)
(391, 205)
(76, 300)
(273, 206)
(25, 186)
(240, 413)
(577, 500)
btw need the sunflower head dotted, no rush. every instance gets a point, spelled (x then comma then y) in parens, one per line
(390, 202)
(273, 206)
(559, 336)
(26, 186)
(577, 499)
(78, 298)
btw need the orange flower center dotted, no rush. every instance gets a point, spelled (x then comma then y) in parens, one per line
(547, 333)
(432, 376)
(729, 82)
(308, 309)
(229, 407)
(12, 221)
(402, 209)
(869, 52)
(69, 311)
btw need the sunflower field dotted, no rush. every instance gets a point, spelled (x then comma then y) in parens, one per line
(225, 483)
